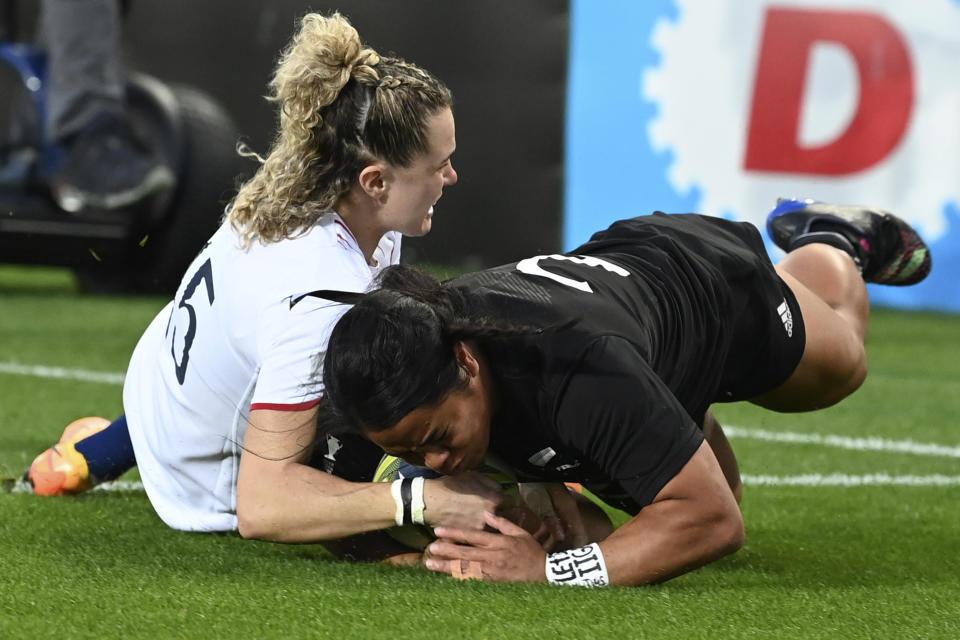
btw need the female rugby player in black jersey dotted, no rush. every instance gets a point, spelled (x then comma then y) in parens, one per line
(599, 366)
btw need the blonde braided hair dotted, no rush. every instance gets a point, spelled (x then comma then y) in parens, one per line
(342, 106)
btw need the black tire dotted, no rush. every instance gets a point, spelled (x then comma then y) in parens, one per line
(198, 138)
(208, 173)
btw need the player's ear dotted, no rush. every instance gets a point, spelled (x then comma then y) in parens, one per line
(373, 180)
(467, 358)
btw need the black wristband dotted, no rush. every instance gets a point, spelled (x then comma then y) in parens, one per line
(406, 495)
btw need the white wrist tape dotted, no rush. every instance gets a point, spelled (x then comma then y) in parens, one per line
(395, 492)
(583, 567)
(417, 505)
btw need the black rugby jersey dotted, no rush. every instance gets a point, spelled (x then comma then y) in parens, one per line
(615, 401)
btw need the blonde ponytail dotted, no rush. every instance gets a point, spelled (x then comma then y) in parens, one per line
(328, 88)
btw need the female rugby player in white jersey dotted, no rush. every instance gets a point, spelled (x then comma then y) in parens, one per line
(219, 404)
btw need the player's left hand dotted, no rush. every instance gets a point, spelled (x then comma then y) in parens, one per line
(512, 555)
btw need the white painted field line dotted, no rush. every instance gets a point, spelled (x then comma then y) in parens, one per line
(83, 375)
(120, 485)
(845, 480)
(117, 485)
(846, 442)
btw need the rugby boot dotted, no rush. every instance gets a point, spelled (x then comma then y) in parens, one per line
(886, 249)
(61, 469)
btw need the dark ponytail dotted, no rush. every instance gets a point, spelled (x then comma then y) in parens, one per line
(393, 352)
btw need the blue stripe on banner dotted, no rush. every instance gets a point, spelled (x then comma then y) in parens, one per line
(611, 170)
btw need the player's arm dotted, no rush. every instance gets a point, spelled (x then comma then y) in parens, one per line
(692, 521)
(713, 433)
(281, 498)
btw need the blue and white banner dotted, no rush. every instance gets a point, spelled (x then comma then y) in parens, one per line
(721, 106)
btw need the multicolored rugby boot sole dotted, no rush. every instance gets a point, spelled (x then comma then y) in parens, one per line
(61, 469)
(887, 249)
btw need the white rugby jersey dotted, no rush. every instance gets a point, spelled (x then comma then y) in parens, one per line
(228, 343)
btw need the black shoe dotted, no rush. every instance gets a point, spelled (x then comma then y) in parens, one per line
(107, 167)
(887, 249)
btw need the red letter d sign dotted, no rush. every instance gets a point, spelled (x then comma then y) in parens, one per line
(886, 92)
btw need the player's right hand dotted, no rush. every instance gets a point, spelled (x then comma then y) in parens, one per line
(460, 501)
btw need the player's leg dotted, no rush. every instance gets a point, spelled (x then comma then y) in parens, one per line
(835, 308)
(90, 451)
(833, 249)
(717, 439)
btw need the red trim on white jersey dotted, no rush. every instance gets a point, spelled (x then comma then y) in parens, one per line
(340, 222)
(300, 406)
(345, 227)
(349, 241)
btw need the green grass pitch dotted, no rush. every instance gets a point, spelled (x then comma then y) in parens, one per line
(828, 554)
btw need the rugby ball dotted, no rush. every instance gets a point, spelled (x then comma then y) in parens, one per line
(418, 536)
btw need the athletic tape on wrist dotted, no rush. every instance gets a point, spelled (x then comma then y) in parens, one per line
(584, 567)
(417, 506)
(406, 494)
(395, 492)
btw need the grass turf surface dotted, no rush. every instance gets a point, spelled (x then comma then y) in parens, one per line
(819, 562)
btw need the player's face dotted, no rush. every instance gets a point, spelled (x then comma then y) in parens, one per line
(414, 190)
(450, 437)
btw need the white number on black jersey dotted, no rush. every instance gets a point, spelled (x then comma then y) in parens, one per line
(531, 266)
